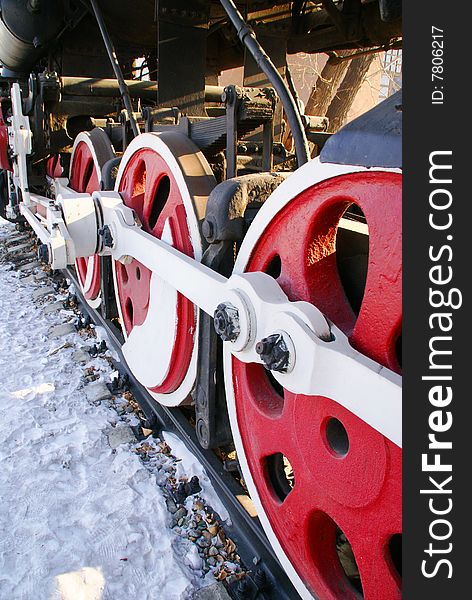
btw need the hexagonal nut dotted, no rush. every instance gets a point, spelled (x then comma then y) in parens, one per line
(226, 322)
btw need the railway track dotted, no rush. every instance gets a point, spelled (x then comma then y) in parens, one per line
(266, 579)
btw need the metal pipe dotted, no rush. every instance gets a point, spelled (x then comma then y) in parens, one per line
(213, 93)
(88, 86)
(137, 88)
(248, 38)
(116, 66)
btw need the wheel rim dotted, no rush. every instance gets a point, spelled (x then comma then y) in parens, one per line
(90, 152)
(347, 476)
(160, 325)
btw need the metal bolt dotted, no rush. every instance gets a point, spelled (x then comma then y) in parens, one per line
(105, 233)
(202, 433)
(226, 322)
(44, 254)
(227, 96)
(33, 5)
(208, 230)
(274, 353)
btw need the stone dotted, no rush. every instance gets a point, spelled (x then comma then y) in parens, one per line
(96, 392)
(20, 247)
(61, 330)
(215, 591)
(22, 258)
(16, 239)
(43, 291)
(181, 513)
(171, 505)
(193, 534)
(59, 348)
(50, 308)
(80, 356)
(29, 266)
(120, 435)
(28, 279)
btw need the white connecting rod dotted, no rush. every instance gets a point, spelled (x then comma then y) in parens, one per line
(322, 363)
(321, 360)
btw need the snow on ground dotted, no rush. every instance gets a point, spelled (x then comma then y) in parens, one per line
(78, 519)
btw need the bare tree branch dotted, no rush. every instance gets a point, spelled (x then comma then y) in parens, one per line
(347, 91)
(327, 84)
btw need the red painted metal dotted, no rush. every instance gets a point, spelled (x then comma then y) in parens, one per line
(359, 492)
(54, 166)
(141, 189)
(86, 179)
(5, 162)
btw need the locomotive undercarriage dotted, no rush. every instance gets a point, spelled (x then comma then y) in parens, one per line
(264, 297)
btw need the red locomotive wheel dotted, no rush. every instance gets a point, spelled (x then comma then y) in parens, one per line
(91, 151)
(160, 325)
(327, 485)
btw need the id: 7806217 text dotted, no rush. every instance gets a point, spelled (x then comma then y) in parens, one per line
(437, 65)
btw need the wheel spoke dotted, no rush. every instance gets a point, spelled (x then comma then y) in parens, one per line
(263, 416)
(377, 569)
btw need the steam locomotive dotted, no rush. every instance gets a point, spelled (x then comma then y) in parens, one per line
(251, 259)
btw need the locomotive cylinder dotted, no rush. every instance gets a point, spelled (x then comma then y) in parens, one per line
(26, 28)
